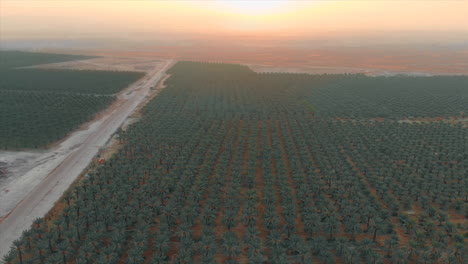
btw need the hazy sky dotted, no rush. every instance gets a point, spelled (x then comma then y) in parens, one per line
(105, 18)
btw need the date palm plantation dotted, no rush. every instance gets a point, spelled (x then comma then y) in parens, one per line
(227, 165)
(233, 131)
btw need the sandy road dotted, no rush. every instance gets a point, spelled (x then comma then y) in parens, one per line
(43, 196)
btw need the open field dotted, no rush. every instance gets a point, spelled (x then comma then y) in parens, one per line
(15, 163)
(372, 60)
(227, 165)
(29, 196)
(313, 69)
(13, 59)
(103, 64)
(309, 69)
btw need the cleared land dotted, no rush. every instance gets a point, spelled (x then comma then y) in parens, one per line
(311, 58)
(38, 189)
(103, 64)
(227, 165)
(313, 69)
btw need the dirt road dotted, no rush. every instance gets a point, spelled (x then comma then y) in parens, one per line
(65, 170)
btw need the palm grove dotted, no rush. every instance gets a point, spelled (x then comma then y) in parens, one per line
(231, 166)
(39, 107)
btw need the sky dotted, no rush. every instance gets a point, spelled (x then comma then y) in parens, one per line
(29, 19)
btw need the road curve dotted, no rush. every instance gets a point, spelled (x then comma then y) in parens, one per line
(42, 198)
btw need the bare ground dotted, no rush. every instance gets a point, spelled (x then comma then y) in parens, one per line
(15, 163)
(312, 69)
(306, 69)
(104, 64)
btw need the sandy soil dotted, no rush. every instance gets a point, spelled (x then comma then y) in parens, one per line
(337, 70)
(26, 196)
(383, 59)
(306, 69)
(283, 57)
(15, 163)
(453, 120)
(104, 64)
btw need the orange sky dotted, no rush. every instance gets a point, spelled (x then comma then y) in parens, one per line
(77, 18)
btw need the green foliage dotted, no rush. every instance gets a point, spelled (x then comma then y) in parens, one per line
(38, 107)
(359, 96)
(12, 59)
(226, 166)
(66, 81)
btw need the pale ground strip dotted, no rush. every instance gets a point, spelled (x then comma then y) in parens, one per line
(311, 69)
(103, 64)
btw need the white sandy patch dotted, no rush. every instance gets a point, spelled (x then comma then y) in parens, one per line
(310, 69)
(104, 64)
(306, 69)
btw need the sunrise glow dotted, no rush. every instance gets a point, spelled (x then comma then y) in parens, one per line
(233, 131)
(255, 7)
(120, 18)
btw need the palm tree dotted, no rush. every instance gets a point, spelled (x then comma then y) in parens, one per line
(80, 259)
(331, 225)
(230, 245)
(353, 226)
(209, 216)
(159, 259)
(64, 247)
(275, 240)
(311, 222)
(38, 222)
(374, 258)
(410, 226)
(292, 243)
(9, 258)
(256, 258)
(317, 244)
(207, 247)
(96, 238)
(278, 256)
(326, 257)
(109, 253)
(41, 251)
(365, 247)
(351, 255)
(399, 257)
(161, 240)
(460, 251)
(303, 254)
(55, 258)
(59, 223)
(78, 228)
(390, 244)
(28, 236)
(375, 226)
(229, 221)
(441, 217)
(184, 255)
(435, 252)
(66, 214)
(18, 246)
(135, 255)
(340, 243)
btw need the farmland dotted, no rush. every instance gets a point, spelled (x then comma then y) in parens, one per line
(230, 166)
(39, 107)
